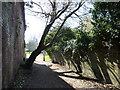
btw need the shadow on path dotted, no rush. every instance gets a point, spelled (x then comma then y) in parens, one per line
(77, 77)
(41, 76)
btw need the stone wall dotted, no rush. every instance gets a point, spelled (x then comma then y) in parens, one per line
(0, 46)
(13, 27)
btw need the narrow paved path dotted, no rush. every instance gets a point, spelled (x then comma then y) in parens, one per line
(48, 75)
(40, 76)
(43, 77)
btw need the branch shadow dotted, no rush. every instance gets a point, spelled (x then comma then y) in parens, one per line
(77, 77)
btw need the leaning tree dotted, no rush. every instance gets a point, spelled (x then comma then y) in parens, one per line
(58, 12)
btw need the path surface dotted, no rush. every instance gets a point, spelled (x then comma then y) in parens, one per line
(48, 75)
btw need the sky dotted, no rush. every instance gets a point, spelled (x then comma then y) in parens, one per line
(36, 25)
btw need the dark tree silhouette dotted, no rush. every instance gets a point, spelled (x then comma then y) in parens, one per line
(57, 9)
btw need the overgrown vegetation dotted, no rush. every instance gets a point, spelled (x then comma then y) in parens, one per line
(98, 47)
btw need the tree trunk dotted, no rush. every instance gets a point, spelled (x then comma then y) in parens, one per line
(36, 52)
(43, 56)
(31, 59)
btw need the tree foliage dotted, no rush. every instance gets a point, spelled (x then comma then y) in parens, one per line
(32, 44)
(105, 34)
(106, 21)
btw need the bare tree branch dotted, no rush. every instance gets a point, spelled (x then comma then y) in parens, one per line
(46, 14)
(61, 19)
(80, 4)
(52, 3)
(50, 25)
(38, 6)
(62, 10)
